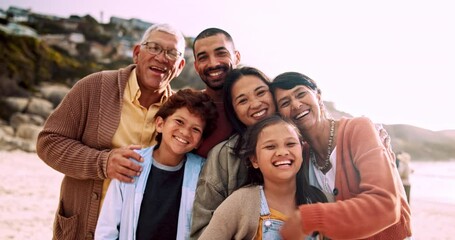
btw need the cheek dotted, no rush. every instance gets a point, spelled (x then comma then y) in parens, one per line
(285, 112)
(241, 113)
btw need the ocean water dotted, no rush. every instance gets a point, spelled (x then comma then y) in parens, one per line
(433, 181)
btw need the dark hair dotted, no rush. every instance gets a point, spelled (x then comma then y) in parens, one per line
(212, 32)
(250, 139)
(196, 102)
(289, 80)
(306, 193)
(230, 80)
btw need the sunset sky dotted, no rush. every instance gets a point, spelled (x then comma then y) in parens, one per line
(392, 61)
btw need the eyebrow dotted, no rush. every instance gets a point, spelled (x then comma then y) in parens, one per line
(216, 50)
(258, 88)
(293, 92)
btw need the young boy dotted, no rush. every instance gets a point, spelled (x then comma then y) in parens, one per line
(158, 204)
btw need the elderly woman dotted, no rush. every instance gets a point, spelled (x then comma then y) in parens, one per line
(350, 163)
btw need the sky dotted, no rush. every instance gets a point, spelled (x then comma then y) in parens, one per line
(390, 60)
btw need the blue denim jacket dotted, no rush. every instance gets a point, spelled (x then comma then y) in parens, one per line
(120, 212)
(271, 227)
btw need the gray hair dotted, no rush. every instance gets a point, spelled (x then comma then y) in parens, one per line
(167, 28)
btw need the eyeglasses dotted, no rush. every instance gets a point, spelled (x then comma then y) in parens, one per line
(156, 49)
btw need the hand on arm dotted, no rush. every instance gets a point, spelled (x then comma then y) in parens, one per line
(120, 166)
(292, 228)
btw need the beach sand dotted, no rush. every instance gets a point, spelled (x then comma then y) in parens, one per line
(29, 191)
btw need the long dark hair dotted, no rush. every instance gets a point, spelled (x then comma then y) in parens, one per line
(305, 192)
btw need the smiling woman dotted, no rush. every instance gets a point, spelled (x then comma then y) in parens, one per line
(351, 161)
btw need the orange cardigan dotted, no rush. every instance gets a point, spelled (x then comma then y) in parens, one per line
(370, 203)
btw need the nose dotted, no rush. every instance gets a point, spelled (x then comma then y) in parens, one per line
(255, 103)
(185, 131)
(161, 57)
(295, 104)
(282, 151)
(213, 62)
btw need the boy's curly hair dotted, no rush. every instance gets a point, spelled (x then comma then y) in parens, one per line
(196, 102)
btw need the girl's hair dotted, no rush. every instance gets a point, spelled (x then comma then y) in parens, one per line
(196, 102)
(305, 192)
(232, 77)
(250, 139)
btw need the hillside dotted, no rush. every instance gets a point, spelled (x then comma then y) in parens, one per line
(421, 143)
(27, 62)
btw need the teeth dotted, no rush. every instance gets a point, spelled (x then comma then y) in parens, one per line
(260, 113)
(284, 162)
(300, 115)
(215, 74)
(181, 140)
(159, 69)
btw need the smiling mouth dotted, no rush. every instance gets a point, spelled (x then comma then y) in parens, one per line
(259, 114)
(181, 140)
(158, 69)
(283, 163)
(215, 74)
(302, 114)
(216, 71)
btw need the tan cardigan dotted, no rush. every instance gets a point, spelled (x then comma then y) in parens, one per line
(76, 141)
(237, 217)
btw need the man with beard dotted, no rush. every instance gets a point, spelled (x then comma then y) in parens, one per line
(91, 136)
(214, 56)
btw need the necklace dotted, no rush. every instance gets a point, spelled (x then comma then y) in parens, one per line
(329, 149)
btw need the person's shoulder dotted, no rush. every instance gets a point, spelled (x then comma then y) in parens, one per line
(192, 156)
(224, 145)
(248, 198)
(145, 151)
(246, 192)
(96, 77)
(356, 122)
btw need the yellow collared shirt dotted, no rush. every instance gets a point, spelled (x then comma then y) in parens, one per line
(137, 125)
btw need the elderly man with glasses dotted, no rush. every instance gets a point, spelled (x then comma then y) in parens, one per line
(92, 134)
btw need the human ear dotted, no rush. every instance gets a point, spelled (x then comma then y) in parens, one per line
(180, 67)
(159, 122)
(238, 57)
(254, 161)
(136, 50)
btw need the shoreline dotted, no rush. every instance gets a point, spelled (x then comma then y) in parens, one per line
(29, 191)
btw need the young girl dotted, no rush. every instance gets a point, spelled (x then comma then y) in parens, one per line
(272, 149)
(158, 204)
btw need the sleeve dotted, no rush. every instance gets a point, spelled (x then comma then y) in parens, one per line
(61, 145)
(236, 218)
(367, 184)
(109, 220)
(210, 192)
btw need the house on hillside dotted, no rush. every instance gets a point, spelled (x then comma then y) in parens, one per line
(18, 14)
(68, 42)
(132, 23)
(139, 24)
(2, 14)
(18, 29)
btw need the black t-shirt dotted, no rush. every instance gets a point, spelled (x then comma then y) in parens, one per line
(159, 212)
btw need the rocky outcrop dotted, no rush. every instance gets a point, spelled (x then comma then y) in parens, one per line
(25, 117)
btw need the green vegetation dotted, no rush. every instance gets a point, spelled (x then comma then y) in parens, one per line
(27, 61)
